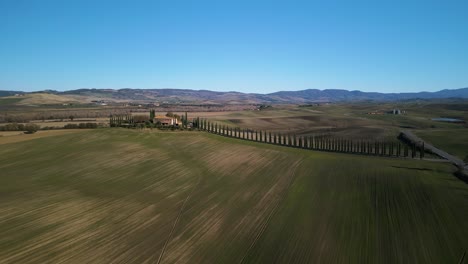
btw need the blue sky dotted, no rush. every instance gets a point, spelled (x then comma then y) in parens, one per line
(248, 46)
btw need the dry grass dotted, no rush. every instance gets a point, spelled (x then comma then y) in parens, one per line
(7, 137)
(44, 98)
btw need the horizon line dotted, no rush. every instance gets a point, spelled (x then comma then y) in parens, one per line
(128, 88)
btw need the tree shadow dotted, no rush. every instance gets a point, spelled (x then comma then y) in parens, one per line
(412, 168)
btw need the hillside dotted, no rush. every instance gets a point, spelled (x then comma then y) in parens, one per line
(211, 97)
(118, 195)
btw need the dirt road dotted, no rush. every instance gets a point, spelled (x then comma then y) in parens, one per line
(455, 160)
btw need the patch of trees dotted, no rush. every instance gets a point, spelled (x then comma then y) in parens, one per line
(32, 128)
(28, 128)
(80, 126)
(141, 121)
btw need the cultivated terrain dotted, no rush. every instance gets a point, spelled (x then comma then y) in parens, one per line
(101, 194)
(118, 195)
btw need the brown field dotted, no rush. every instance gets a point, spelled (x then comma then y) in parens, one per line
(7, 137)
(44, 98)
(58, 123)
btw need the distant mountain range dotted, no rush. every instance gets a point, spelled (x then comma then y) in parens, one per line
(207, 97)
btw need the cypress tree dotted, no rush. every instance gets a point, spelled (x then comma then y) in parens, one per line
(421, 151)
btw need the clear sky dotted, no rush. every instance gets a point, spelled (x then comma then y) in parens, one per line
(225, 45)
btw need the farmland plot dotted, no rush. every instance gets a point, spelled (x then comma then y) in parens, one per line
(124, 196)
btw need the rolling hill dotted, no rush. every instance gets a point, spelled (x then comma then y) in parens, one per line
(213, 97)
(128, 196)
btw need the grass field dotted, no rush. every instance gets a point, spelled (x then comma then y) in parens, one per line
(454, 141)
(115, 195)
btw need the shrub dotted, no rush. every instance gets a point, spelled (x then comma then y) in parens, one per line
(31, 128)
(12, 127)
(70, 126)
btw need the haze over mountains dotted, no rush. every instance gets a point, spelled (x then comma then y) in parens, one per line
(205, 96)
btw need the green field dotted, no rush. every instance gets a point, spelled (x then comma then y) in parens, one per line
(454, 141)
(116, 195)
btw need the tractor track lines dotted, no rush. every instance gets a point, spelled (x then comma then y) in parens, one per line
(169, 238)
(265, 223)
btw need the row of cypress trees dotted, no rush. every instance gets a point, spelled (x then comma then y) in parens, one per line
(120, 120)
(322, 143)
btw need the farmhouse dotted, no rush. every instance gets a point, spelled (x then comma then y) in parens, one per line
(165, 121)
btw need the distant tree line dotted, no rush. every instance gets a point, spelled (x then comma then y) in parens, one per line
(80, 126)
(31, 128)
(322, 143)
